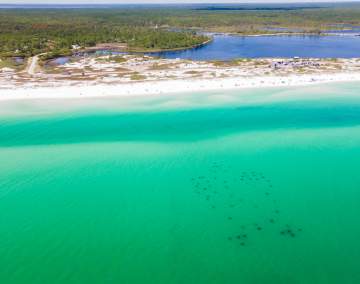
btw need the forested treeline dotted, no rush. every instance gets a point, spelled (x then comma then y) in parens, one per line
(30, 32)
(26, 32)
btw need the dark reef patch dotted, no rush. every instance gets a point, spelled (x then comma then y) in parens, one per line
(235, 193)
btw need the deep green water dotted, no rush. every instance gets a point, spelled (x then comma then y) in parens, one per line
(259, 186)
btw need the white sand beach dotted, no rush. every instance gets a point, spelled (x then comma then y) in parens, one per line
(105, 79)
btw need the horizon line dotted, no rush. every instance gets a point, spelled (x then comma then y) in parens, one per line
(180, 3)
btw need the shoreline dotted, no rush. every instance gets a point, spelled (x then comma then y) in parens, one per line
(141, 50)
(148, 88)
(149, 51)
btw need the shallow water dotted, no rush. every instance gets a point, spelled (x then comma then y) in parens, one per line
(252, 186)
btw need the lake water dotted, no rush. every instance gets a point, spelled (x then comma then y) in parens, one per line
(227, 47)
(250, 186)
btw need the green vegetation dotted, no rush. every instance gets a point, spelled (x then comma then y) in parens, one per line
(54, 53)
(137, 77)
(234, 62)
(313, 18)
(192, 72)
(164, 66)
(10, 63)
(30, 32)
(118, 59)
(26, 32)
(6, 63)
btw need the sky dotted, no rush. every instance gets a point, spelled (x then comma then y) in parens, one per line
(160, 1)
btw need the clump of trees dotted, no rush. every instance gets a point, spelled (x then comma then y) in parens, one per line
(25, 32)
(54, 32)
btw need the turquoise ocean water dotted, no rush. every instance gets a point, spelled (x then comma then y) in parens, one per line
(251, 186)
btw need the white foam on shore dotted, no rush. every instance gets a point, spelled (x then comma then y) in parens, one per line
(147, 88)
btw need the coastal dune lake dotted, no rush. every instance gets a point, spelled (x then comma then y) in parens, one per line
(247, 186)
(227, 47)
